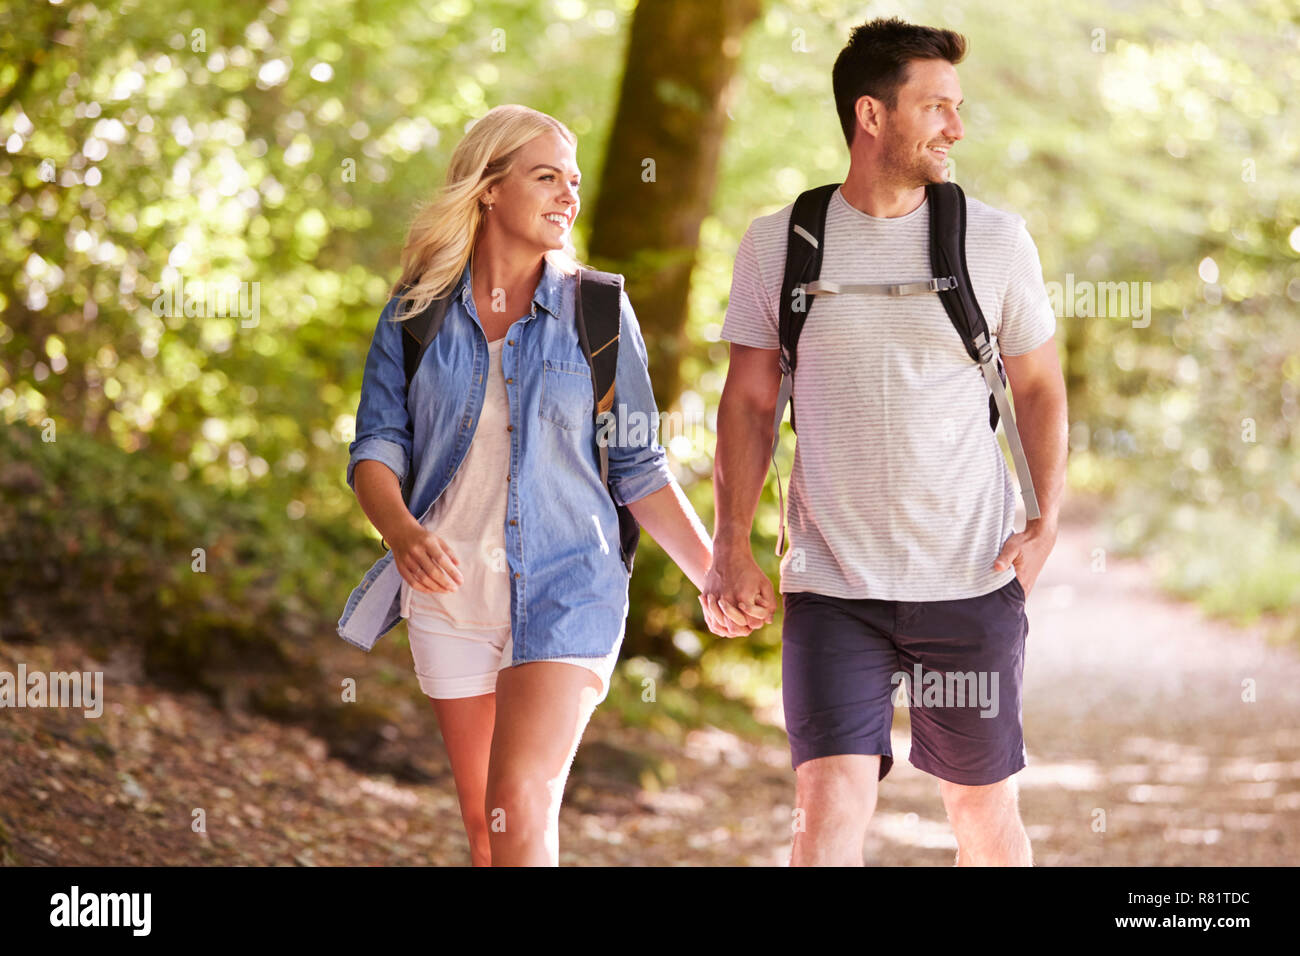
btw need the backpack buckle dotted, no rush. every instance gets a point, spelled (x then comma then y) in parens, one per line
(943, 285)
(784, 361)
(985, 349)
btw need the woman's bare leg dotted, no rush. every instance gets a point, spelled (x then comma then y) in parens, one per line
(466, 724)
(542, 710)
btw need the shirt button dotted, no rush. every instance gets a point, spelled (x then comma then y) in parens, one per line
(516, 574)
(513, 521)
(507, 477)
(510, 428)
(510, 381)
(510, 341)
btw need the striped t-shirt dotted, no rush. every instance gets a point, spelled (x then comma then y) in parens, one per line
(899, 490)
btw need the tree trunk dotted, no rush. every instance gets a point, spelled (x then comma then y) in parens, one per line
(661, 163)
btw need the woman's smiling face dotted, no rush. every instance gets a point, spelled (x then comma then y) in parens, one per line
(537, 202)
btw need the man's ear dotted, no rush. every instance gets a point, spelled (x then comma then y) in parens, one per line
(870, 112)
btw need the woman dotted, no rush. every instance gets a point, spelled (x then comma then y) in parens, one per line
(512, 580)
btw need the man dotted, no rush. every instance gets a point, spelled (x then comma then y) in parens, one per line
(903, 557)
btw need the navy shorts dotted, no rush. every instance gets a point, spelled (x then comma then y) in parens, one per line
(957, 663)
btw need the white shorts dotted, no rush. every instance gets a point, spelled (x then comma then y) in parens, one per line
(453, 662)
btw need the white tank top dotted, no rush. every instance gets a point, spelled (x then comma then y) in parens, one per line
(470, 517)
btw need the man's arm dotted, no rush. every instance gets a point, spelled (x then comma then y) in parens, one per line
(1038, 388)
(744, 445)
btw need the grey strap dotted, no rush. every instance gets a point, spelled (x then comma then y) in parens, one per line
(782, 400)
(827, 287)
(808, 236)
(988, 363)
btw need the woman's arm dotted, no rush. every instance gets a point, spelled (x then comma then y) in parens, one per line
(639, 475)
(641, 479)
(378, 460)
(383, 431)
(670, 519)
(667, 514)
(380, 495)
(422, 558)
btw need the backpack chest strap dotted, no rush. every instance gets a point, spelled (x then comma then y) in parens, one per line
(828, 287)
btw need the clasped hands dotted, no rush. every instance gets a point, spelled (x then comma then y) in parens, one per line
(737, 597)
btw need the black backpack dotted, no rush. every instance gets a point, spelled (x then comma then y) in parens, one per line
(803, 265)
(597, 313)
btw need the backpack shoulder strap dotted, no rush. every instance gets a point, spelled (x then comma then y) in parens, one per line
(803, 264)
(598, 314)
(418, 331)
(948, 258)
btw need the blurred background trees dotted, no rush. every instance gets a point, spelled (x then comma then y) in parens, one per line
(285, 145)
(670, 121)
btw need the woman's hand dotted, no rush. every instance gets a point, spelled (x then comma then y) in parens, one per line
(724, 620)
(425, 561)
(737, 594)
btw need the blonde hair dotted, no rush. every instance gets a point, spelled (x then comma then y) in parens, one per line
(442, 236)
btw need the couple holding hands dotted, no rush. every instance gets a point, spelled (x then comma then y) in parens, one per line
(484, 475)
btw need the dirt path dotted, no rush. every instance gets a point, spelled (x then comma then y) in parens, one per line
(1134, 719)
(1141, 748)
(1133, 710)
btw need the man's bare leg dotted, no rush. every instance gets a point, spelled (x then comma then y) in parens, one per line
(834, 800)
(986, 822)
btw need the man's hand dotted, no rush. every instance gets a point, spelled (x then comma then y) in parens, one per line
(1028, 550)
(737, 596)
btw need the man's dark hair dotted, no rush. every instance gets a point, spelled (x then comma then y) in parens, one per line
(874, 62)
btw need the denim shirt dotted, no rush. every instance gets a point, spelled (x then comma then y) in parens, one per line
(568, 580)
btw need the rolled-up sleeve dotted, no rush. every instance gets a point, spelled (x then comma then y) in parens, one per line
(383, 428)
(638, 464)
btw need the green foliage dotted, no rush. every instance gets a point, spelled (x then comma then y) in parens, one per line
(110, 545)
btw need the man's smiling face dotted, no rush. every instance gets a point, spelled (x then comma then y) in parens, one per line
(923, 125)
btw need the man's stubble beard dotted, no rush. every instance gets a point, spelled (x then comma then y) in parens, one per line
(902, 167)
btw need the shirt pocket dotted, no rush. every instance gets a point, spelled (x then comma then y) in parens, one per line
(566, 393)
